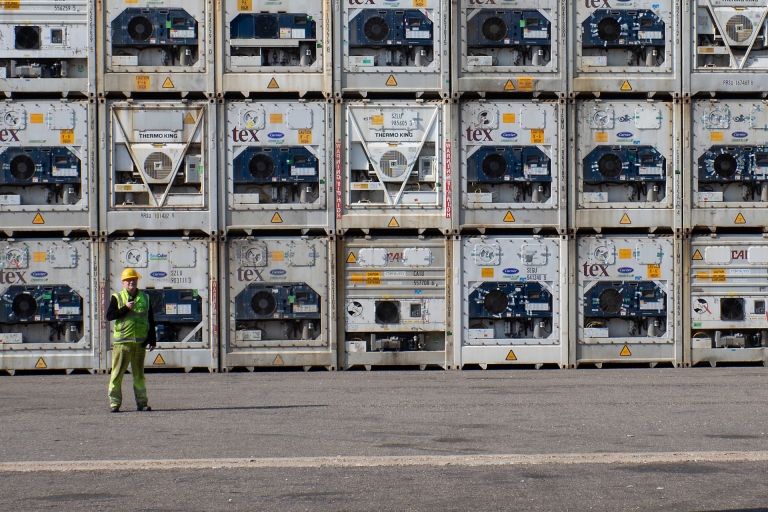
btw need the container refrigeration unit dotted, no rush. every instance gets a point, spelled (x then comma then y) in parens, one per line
(631, 46)
(727, 296)
(279, 303)
(46, 308)
(158, 166)
(725, 46)
(156, 46)
(395, 302)
(728, 160)
(47, 166)
(180, 277)
(390, 47)
(514, 301)
(509, 46)
(513, 164)
(279, 156)
(47, 46)
(396, 163)
(276, 46)
(626, 168)
(627, 293)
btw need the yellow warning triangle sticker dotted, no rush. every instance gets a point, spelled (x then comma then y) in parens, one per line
(41, 364)
(273, 84)
(351, 258)
(277, 219)
(625, 351)
(511, 356)
(509, 86)
(393, 223)
(739, 219)
(168, 84)
(509, 217)
(625, 220)
(189, 119)
(697, 255)
(278, 360)
(159, 360)
(391, 80)
(625, 86)
(38, 219)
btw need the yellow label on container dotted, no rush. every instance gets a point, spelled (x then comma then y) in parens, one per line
(377, 120)
(373, 278)
(718, 275)
(36, 118)
(356, 278)
(278, 255)
(305, 136)
(625, 254)
(525, 83)
(654, 271)
(716, 136)
(276, 118)
(537, 136)
(419, 3)
(131, 1)
(142, 82)
(244, 5)
(601, 136)
(702, 274)
(486, 272)
(38, 256)
(508, 118)
(706, 50)
(67, 137)
(12, 5)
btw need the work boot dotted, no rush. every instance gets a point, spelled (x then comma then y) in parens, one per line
(114, 408)
(143, 408)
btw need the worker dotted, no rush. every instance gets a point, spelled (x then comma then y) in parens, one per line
(134, 331)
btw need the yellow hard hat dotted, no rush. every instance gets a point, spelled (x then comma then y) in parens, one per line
(129, 273)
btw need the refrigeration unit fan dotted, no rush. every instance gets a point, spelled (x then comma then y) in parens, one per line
(496, 301)
(27, 37)
(732, 309)
(263, 303)
(394, 164)
(158, 166)
(609, 165)
(494, 29)
(611, 301)
(261, 166)
(22, 168)
(376, 29)
(387, 312)
(277, 301)
(140, 28)
(494, 166)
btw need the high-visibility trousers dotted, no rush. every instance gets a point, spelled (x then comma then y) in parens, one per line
(124, 354)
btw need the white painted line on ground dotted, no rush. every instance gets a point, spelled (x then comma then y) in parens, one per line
(386, 461)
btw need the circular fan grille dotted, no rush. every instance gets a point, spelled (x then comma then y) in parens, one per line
(263, 303)
(494, 166)
(22, 168)
(140, 28)
(494, 29)
(496, 301)
(610, 301)
(725, 165)
(387, 313)
(376, 29)
(732, 309)
(24, 306)
(394, 164)
(739, 28)
(609, 30)
(27, 38)
(158, 165)
(609, 166)
(266, 27)
(261, 166)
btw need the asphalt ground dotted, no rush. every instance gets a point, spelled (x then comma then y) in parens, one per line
(609, 439)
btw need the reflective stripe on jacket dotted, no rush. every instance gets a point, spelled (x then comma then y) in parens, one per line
(133, 327)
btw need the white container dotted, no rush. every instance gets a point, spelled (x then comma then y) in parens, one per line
(633, 46)
(513, 164)
(47, 46)
(511, 46)
(46, 305)
(279, 158)
(393, 166)
(392, 47)
(627, 298)
(279, 300)
(47, 166)
(396, 295)
(160, 166)
(726, 319)
(626, 164)
(514, 301)
(180, 276)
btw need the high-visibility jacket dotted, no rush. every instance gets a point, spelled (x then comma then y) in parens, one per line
(133, 327)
